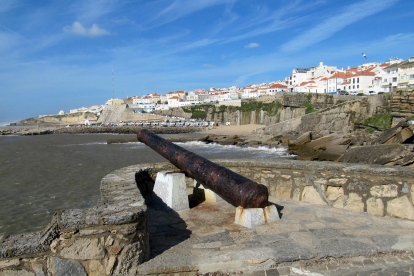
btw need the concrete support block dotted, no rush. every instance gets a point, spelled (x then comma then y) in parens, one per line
(171, 189)
(209, 195)
(252, 217)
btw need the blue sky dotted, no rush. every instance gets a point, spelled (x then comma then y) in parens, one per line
(59, 55)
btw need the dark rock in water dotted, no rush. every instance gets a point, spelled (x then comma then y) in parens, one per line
(225, 140)
(390, 154)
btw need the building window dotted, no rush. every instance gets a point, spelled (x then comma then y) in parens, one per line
(357, 80)
(358, 86)
(394, 79)
(353, 80)
(411, 77)
(353, 86)
(385, 80)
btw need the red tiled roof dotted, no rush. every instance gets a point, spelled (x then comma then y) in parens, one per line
(278, 85)
(175, 98)
(341, 75)
(364, 73)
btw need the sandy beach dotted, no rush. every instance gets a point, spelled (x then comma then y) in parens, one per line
(234, 130)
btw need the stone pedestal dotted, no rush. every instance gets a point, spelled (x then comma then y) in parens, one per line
(205, 193)
(252, 217)
(171, 189)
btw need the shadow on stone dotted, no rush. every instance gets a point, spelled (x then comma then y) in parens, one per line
(166, 227)
(145, 184)
(279, 208)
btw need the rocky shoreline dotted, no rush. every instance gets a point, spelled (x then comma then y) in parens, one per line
(393, 147)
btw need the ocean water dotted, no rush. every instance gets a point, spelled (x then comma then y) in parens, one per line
(40, 175)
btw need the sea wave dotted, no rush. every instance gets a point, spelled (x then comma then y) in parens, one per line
(5, 123)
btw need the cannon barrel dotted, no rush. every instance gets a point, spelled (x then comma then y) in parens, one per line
(236, 189)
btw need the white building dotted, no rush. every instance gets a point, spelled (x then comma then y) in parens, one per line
(406, 73)
(174, 101)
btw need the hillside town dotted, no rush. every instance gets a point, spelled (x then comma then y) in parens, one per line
(367, 79)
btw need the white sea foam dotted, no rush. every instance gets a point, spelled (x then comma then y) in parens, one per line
(5, 123)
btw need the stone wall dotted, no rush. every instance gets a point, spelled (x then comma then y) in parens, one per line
(402, 106)
(109, 239)
(112, 238)
(337, 118)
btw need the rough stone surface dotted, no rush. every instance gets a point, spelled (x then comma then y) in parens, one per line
(131, 255)
(401, 207)
(21, 272)
(311, 195)
(412, 193)
(333, 193)
(283, 191)
(249, 217)
(8, 263)
(73, 219)
(84, 249)
(390, 190)
(62, 267)
(171, 189)
(96, 268)
(375, 206)
(354, 203)
(378, 154)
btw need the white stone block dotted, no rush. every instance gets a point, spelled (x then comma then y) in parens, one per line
(172, 190)
(270, 214)
(249, 217)
(209, 195)
(252, 217)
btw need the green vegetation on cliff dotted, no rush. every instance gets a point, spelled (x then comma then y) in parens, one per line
(198, 111)
(252, 105)
(379, 120)
(309, 107)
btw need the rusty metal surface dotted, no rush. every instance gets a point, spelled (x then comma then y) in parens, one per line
(235, 188)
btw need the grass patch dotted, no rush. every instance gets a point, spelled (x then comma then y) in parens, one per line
(379, 120)
(309, 107)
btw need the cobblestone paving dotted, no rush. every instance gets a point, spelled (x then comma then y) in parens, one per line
(307, 240)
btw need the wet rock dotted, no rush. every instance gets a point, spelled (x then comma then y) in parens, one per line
(391, 154)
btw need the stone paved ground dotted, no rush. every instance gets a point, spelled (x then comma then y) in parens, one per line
(307, 240)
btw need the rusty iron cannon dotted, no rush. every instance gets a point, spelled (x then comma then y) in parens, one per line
(235, 188)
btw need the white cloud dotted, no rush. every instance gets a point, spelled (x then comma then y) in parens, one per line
(252, 45)
(337, 22)
(79, 29)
